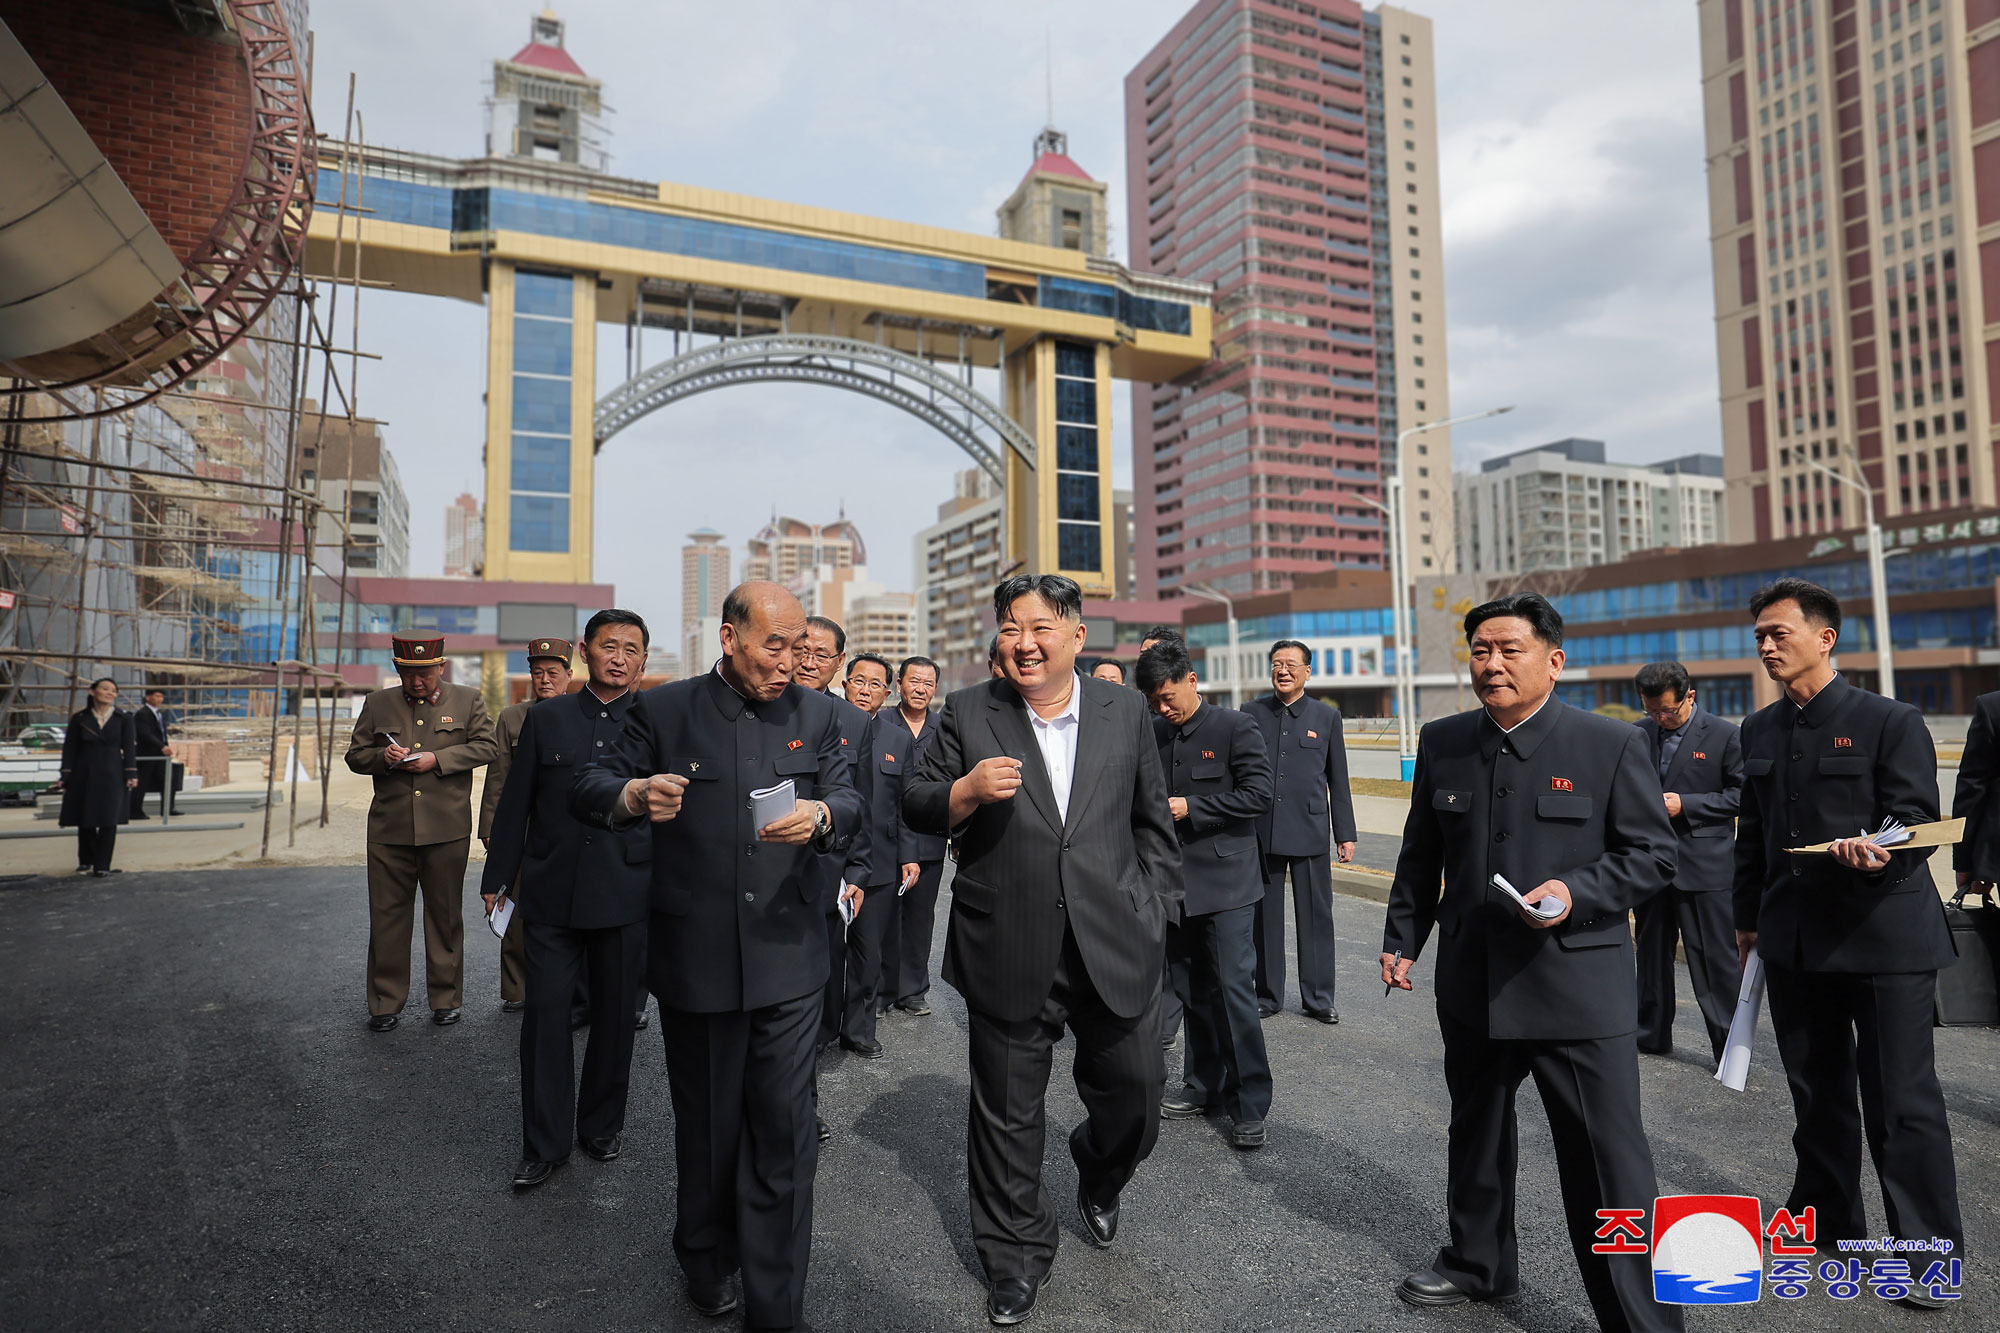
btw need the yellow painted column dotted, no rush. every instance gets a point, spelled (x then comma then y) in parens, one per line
(499, 414)
(540, 400)
(1060, 393)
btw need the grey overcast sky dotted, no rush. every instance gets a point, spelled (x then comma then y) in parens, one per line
(1575, 224)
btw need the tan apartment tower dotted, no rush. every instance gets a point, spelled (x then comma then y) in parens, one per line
(1853, 172)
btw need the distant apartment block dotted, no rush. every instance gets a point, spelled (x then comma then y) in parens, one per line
(464, 538)
(956, 562)
(704, 585)
(1562, 506)
(1288, 154)
(353, 470)
(785, 548)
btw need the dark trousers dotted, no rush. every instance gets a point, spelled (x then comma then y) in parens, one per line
(1590, 1090)
(514, 962)
(1212, 962)
(917, 918)
(395, 871)
(153, 770)
(746, 1149)
(870, 946)
(1312, 910)
(94, 846)
(1840, 1034)
(1119, 1074)
(552, 1107)
(1706, 928)
(833, 1000)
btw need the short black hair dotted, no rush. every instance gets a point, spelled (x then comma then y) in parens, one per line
(1543, 619)
(993, 650)
(1304, 651)
(1815, 603)
(1111, 662)
(1163, 662)
(877, 659)
(917, 661)
(1060, 593)
(152, 690)
(1663, 678)
(612, 615)
(1163, 633)
(831, 627)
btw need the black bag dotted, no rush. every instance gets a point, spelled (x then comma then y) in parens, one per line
(1968, 995)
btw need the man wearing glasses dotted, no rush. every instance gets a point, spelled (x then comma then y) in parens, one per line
(1700, 761)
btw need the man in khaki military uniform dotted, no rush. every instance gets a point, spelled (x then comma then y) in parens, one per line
(420, 741)
(548, 678)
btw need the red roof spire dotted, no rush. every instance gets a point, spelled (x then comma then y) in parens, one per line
(1052, 155)
(545, 47)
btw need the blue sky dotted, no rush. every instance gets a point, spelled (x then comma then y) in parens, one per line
(1575, 228)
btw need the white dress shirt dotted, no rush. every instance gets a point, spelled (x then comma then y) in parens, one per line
(1057, 738)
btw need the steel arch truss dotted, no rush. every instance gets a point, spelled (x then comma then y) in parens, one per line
(944, 402)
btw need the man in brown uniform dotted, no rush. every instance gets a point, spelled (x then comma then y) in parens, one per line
(420, 741)
(548, 678)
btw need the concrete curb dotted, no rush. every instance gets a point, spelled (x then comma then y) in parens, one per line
(1361, 882)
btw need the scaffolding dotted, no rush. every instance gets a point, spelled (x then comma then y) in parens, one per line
(169, 538)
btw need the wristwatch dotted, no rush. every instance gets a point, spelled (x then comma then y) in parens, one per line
(822, 821)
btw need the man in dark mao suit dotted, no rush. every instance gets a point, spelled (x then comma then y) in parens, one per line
(1851, 941)
(1565, 806)
(1067, 875)
(582, 891)
(1976, 799)
(548, 678)
(1699, 757)
(736, 946)
(1218, 782)
(1307, 747)
(817, 668)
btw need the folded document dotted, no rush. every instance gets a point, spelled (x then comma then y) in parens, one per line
(1545, 908)
(771, 804)
(1734, 1068)
(1943, 833)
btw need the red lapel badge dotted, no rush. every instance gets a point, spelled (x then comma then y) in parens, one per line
(799, 745)
(888, 758)
(1843, 743)
(1561, 784)
(1208, 754)
(1312, 735)
(445, 721)
(1700, 754)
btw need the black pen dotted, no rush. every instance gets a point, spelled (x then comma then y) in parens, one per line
(1391, 985)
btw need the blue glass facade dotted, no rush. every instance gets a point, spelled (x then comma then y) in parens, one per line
(1079, 533)
(539, 471)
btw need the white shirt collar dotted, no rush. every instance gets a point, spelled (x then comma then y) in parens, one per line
(1072, 711)
(1508, 731)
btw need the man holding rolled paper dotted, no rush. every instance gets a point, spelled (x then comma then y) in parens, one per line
(1545, 824)
(1851, 938)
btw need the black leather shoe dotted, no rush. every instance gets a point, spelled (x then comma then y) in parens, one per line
(642, 1021)
(531, 1173)
(916, 1008)
(867, 1050)
(603, 1150)
(1012, 1300)
(1100, 1225)
(383, 1022)
(1644, 1049)
(1247, 1134)
(100, 874)
(444, 1018)
(1180, 1106)
(1265, 1010)
(512, 1006)
(713, 1300)
(824, 1130)
(1330, 1017)
(1424, 1287)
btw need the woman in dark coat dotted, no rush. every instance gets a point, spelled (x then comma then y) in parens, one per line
(99, 771)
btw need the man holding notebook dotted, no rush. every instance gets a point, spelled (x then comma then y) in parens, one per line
(1852, 938)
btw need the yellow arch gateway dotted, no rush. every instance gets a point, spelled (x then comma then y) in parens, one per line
(556, 250)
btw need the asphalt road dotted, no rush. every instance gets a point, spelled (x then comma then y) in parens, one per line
(199, 1133)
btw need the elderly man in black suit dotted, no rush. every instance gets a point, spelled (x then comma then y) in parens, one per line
(1218, 783)
(1308, 749)
(1068, 873)
(1565, 806)
(581, 890)
(736, 949)
(1851, 941)
(1700, 761)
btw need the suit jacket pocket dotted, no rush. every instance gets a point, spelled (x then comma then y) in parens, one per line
(1711, 830)
(1562, 805)
(1452, 802)
(1234, 845)
(801, 766)
(1597, 933)
(1209, 770)
(1846, 765)
(972, 897)
(1757, 768)
(695, 768)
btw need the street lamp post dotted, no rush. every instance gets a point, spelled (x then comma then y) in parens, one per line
(1207, 593)
(1878, 582)
(1399, 585)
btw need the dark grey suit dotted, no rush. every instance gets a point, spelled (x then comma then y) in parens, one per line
(1056, 920)
(1707, 773)
(1977, 794)
(1306, 744)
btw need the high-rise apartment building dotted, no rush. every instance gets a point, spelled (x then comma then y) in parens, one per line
(956, 563)
(785, 548)
(1288, 154)
(1562, 506)
(1848, 180)
(704, 585)
(464, 537)
(352, 469)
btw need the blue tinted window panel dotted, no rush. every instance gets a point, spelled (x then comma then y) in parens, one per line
(541, 463)
(1076, 360)
(542, 346)
(1078, 546)
(538, 523)
(1076, 401)
(1076, 497)
(1083, 298)
(1142, 312)
(542, 294)
(541, 405)
(391, 200)
(1076, 448)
